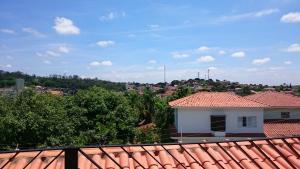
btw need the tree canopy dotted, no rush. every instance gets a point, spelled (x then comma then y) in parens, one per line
(91, 116)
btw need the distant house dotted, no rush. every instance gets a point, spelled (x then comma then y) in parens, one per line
(282, 116)
(209, 114)
(280, 105)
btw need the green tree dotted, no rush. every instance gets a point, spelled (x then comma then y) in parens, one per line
(181, 92)
(110, 118)
(244, 91)
(148, 102)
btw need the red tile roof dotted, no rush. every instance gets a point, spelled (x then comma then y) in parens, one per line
(275, 99)
(214, 99)
(281, 128)
(269, 154)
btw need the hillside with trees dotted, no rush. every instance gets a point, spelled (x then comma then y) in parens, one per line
(69, 83)
(94, 111)
(91, 116)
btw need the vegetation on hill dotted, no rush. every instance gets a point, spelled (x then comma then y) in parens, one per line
(91, 116)
(95, 111)
(70, 83)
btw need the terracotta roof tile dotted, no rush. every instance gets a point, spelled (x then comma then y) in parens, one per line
(214, 99)
(229, 155)
(281, 128)
(275, 99)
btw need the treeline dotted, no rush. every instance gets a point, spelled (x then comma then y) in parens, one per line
(91, 116)
(72, 83)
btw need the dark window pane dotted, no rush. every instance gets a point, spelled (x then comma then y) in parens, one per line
(217, 123)
(285, 114)
(244, 121)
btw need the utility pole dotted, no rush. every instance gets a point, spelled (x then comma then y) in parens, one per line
(207, 74)
(165, 73)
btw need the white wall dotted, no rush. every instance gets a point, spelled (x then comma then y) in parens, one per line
(276, 113)
(197, 120)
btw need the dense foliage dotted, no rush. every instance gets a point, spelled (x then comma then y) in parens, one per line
(69, 83)
(91, 116)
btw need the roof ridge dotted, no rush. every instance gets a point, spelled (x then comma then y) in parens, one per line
(252, 100)
(214, 95)
(261, 95)
(281, 93)
(286, 94)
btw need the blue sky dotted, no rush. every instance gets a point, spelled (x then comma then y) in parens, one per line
(249, 41)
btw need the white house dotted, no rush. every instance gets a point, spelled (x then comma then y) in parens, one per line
(210, 114)
(281, 106)
(282, 116)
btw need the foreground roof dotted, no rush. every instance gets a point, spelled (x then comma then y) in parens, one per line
(214, 99)
(282, 128)
(275, 99)
(269, 154)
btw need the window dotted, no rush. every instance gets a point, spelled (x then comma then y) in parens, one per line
(247, 121)
(285, 115)
(244, 121)
(218, 123)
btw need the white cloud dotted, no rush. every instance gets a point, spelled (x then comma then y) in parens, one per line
(293, 48)
(40, 54)
(205, 59)
(256, 14)
(292, 17)
(7, 31)
(203, 48)
(260, 61)
(131, 35)
(288, 62)
(9, 57)
(33, 32)
(8, 66)
(47, 62)
(160, 68)
(276, 68)
(51, 53)
(222, 52)
(149, 67)
(58, 50)
(65, 26)
(240, 54)
(212, 68)
(252, 70)
(112, 15)
(153, 26)
(152, 61)
(105, 43)
(178, 55)
(101, 63)
(63, 49)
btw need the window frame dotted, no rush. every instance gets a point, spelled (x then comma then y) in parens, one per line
(247, 121)
(286, 113)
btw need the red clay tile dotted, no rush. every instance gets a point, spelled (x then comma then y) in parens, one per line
(189, 157)
(109, 164)
(275, 99)
(215, 99)
(165, 160)
(293, 159)
(124, 160)
(282, 128)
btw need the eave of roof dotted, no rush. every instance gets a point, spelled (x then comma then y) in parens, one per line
(264, 153)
